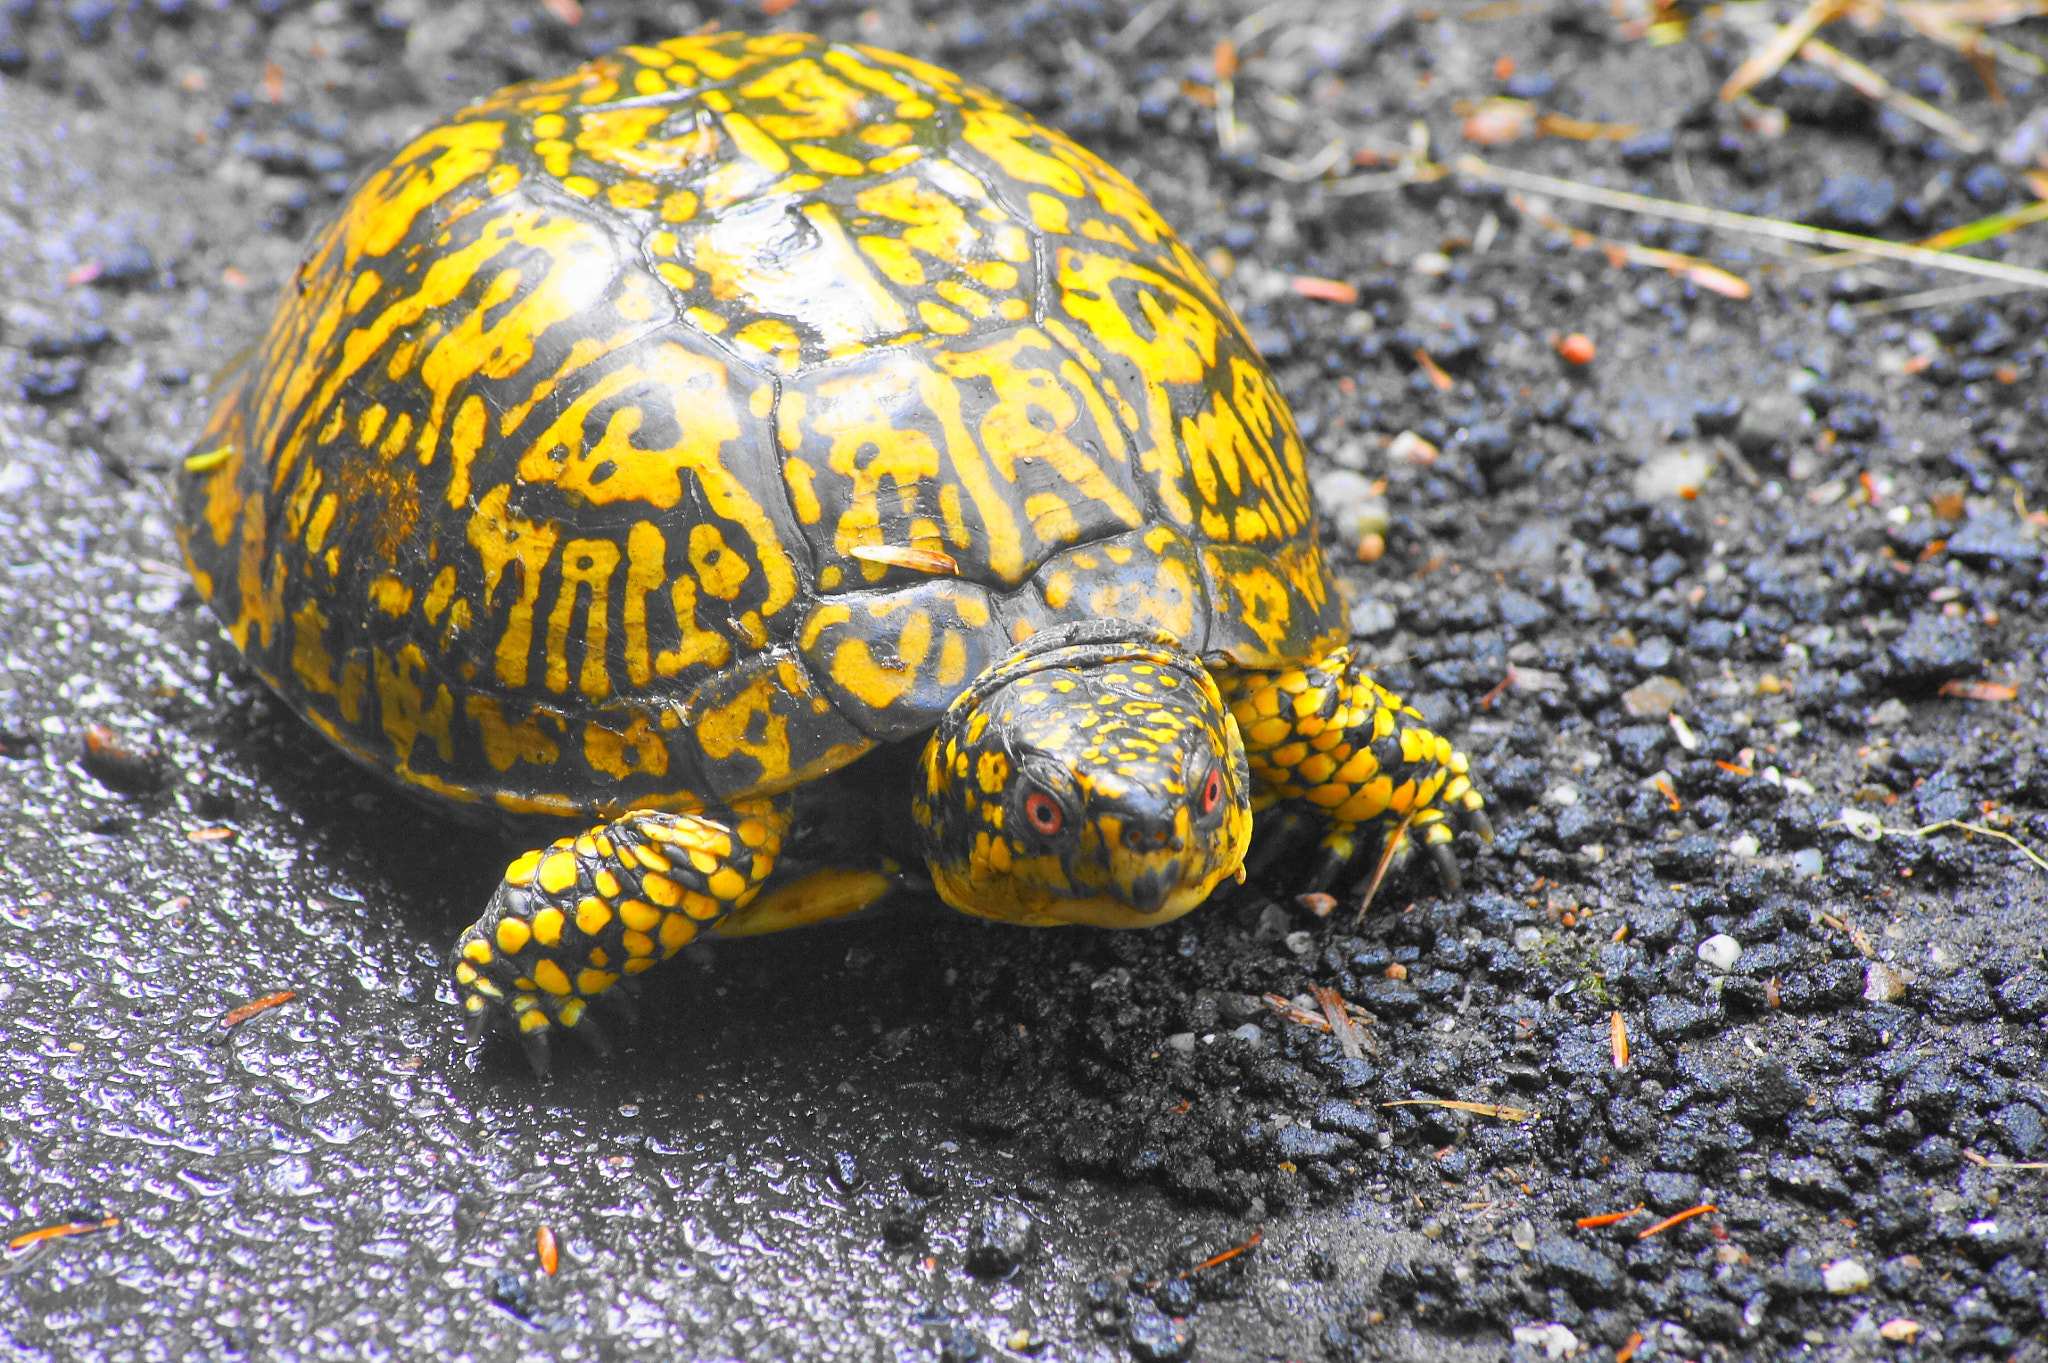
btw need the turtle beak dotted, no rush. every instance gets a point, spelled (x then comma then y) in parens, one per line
(1148, 890)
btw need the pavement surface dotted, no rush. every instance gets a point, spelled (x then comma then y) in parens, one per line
(1759, 562)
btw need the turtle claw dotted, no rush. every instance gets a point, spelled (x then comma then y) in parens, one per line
(618, 1003)
(1447, 865)
(590, 1034)
(1328, 867)
(535, 1044)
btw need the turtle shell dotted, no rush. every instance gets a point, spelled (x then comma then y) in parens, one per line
(679, 429)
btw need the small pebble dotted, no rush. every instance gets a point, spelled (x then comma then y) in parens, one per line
(1001, 1238)
(1156, 1337)
(1719, 952)
(1855, 203)
(1556, 1341)
(1844, 1276)
(1184, 1042)
(1528, 939)
(1674, 473)
(1882, 984)
(1301, 943)
(1806, 863)
(1576, 349)
(1654, 699)
(1745, 846)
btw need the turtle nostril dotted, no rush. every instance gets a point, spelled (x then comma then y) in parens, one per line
(1150, 836)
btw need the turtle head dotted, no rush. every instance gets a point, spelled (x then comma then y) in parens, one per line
(1092, 776)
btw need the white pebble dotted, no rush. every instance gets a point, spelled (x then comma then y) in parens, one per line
(1673, 473)
(1555, 1340)
(1719, 952)
(1528, 939)
(1745, 846)
(1184, 1042)
(1882, 984)
(1844, 1276)
(1301, 943)
(1807, 863)
(1561, 796)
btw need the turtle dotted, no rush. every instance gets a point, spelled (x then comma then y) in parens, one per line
(743, 432)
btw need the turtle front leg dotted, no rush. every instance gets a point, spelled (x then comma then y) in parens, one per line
(571, 920)
(1336, 749)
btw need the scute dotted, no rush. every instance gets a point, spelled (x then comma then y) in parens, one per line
(546, 485)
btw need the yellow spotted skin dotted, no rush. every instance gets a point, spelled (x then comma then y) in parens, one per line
(1327, 739)
(659, 439)
(571, 920)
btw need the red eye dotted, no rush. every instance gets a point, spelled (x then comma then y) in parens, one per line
(1212, 791)
(1044, 812)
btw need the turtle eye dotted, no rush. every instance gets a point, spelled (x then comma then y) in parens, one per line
(1212, 791)
(1043, 812)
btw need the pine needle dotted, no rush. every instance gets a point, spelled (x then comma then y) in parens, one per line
(1748, 225)
(1763, 63)
(1497, 1110)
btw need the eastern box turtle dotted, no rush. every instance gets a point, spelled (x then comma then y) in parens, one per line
(653, 443)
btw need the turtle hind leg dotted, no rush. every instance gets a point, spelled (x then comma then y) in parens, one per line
(1326, 742)
(570, 921)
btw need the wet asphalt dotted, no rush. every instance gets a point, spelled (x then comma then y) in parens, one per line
(927, 1137)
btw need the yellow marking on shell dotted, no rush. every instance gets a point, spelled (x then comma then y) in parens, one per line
(570, 1013)
(895, 258)
(549, 976)
(727, 884)
(886, 135)
(547, 927)
(942, 319)
(512, 935)
(828, 162)
(479, 950)
(639, 916)
(531, 1019)
(504, 743)
(637, 944)
(1048, 213)
(661, 890)
(406, 716)
(677, 931)
(594, 982)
